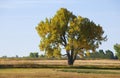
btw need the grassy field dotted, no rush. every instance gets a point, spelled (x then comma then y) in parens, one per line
(59, 69)
(54, 73)
(60, 62)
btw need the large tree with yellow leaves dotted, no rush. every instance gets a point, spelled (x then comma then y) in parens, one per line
(75, 34)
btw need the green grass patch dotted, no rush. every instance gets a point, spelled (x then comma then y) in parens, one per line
(94, 71)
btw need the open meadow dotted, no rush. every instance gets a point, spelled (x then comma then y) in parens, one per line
(20, 68)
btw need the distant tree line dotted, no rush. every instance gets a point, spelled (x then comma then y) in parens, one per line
(108, 54)
(87, 55)
(33, 55)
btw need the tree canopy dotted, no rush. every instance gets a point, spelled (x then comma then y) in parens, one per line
(73, 33)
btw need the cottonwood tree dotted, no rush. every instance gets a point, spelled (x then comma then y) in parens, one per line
(73, 33)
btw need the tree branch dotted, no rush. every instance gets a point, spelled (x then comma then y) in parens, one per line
(64, 43)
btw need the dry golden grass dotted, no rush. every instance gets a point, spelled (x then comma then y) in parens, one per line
(61, 62)
(110, 63)
(19, 61)
(49, 73)
(54, 72)
(91, 64)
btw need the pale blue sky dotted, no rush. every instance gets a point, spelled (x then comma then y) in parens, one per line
(18, 19)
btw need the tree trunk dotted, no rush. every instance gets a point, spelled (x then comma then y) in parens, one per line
(70, 61)
(70, 58)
